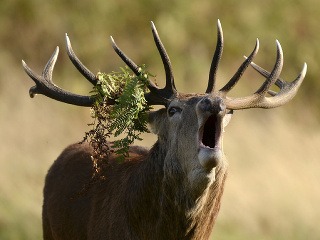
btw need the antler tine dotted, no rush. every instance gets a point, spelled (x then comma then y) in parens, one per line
(79, 65)
(274, 75)
(236, 77)
(215, 60)
(134, 67)
(279, 83)
(44, 85)
(170, 86)
(287, 89)
(258, 99)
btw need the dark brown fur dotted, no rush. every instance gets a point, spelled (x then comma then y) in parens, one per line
(135, 201)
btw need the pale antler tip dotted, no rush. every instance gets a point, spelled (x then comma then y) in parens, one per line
(67, 38)
(48, 69)
(56, 51)
(302, 73)
(68, 43)
(25, 67)
(219, 24)
(257, 41)
(304, 69)
(279, 48)
(112, 41)
(153, 27)
(305, 65)
(257, 45)
(278, 44)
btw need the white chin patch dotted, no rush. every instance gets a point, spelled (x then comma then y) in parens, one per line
(209, 158)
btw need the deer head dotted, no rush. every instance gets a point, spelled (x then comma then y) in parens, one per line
(190, 126)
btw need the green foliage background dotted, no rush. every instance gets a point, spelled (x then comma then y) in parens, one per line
(272, 191)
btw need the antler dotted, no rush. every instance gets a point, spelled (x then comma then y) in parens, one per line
(45, 85)
(156, 96)
(258, 99)
(215, 60)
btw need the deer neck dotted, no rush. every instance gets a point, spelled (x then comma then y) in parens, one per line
(182, 211)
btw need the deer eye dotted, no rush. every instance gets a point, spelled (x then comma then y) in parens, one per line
(173, 110)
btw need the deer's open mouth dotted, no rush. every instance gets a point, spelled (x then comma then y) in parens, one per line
(210, 132)
(210, 150)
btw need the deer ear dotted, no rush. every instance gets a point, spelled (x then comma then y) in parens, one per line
(155, 119)
(227, 118)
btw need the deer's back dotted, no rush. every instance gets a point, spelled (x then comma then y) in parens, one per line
(73, 208)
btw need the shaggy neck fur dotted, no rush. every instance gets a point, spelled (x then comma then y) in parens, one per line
(173, 211)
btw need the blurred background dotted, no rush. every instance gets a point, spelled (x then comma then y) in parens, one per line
(272, 191)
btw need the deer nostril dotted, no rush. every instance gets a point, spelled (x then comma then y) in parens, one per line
(213, 105)
(206, 104)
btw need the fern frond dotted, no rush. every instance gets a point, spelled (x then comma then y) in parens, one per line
(128, 115)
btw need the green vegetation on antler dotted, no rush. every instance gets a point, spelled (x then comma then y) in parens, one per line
(127, 116)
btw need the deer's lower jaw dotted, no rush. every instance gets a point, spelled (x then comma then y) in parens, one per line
(209, 158)
(210, 150)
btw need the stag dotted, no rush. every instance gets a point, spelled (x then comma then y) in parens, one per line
(172, 190)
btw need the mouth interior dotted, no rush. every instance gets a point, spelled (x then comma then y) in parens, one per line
(210, 131)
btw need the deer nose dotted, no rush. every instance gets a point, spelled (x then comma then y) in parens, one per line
(212, 105)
